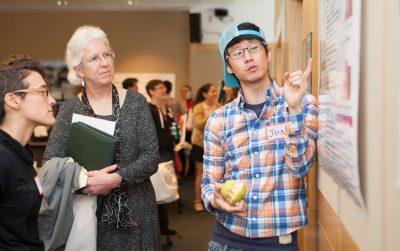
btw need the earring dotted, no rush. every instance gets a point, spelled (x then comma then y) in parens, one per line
(83, 82)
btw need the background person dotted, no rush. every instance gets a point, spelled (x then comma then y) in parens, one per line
(204, 104)
(131, 84)
(25, 104)
(227, 94)
(186, 108)
(186, 100)
(129, 219)
(163, 120)
(170, 102)
(266, 140)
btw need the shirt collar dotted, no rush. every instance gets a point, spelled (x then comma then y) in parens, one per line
(273, 92)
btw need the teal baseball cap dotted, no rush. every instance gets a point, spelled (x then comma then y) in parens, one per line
(229, 34)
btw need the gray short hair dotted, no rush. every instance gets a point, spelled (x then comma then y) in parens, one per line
(76, 45)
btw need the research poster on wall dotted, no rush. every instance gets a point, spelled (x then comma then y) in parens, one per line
(340, 31)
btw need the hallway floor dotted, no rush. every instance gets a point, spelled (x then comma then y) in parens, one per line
(193, 229)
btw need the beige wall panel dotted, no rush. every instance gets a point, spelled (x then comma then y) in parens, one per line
(205, 65)
(310, 24)
(331, 230)
(347, 243)
(323, 241)
(310, 232)
(278, 6)
(143, 41)
(329, 222)
(392, 125)
(294, 34)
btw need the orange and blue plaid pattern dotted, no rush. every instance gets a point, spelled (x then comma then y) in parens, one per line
(237, 146)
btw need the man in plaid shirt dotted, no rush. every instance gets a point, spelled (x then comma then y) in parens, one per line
(265, 139)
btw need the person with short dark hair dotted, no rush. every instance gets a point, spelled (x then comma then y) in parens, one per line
(170, 102)
(163, 120)
(265, 139)
(130, 84)
(25, 103)
(168, 85)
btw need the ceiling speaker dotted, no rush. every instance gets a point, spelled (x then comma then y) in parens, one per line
(195, 27)
(221, 13)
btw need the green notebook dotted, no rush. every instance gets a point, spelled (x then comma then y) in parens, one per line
(90, 147)
(93, 149)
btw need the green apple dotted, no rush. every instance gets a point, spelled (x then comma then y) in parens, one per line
(233, 191)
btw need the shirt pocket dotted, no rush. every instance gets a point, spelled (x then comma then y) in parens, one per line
(236, 160)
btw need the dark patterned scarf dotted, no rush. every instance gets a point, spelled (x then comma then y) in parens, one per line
(114, 209)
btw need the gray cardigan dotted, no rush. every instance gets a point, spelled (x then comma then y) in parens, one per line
(59, 180)
(138, 161)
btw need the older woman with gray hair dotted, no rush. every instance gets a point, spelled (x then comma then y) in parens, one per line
(128, 220)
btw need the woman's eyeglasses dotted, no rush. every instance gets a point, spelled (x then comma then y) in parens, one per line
(43, 90)
(96, 60)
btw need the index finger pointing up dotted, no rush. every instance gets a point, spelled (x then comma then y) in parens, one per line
(306, 73)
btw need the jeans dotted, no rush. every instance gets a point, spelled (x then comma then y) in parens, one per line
(216, 246)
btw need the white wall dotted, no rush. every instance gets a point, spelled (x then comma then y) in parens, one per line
(260, 12)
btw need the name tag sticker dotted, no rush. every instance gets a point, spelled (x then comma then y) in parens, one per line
(275, 132)
(39, 186)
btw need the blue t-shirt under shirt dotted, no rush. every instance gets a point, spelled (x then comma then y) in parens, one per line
(255, 108)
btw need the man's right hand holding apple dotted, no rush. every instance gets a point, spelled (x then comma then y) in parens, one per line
(221, 204)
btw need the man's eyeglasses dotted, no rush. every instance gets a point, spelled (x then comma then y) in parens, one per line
(96, 60)
(43, 90)
(239, 53)
(160, 87)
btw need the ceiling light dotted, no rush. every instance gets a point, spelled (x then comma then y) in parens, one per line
(62, 2)
(133, 2)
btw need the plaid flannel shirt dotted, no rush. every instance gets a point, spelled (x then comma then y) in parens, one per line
(240, 146)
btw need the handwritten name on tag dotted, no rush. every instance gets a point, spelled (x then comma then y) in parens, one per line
(39, 186)
(275, 132)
